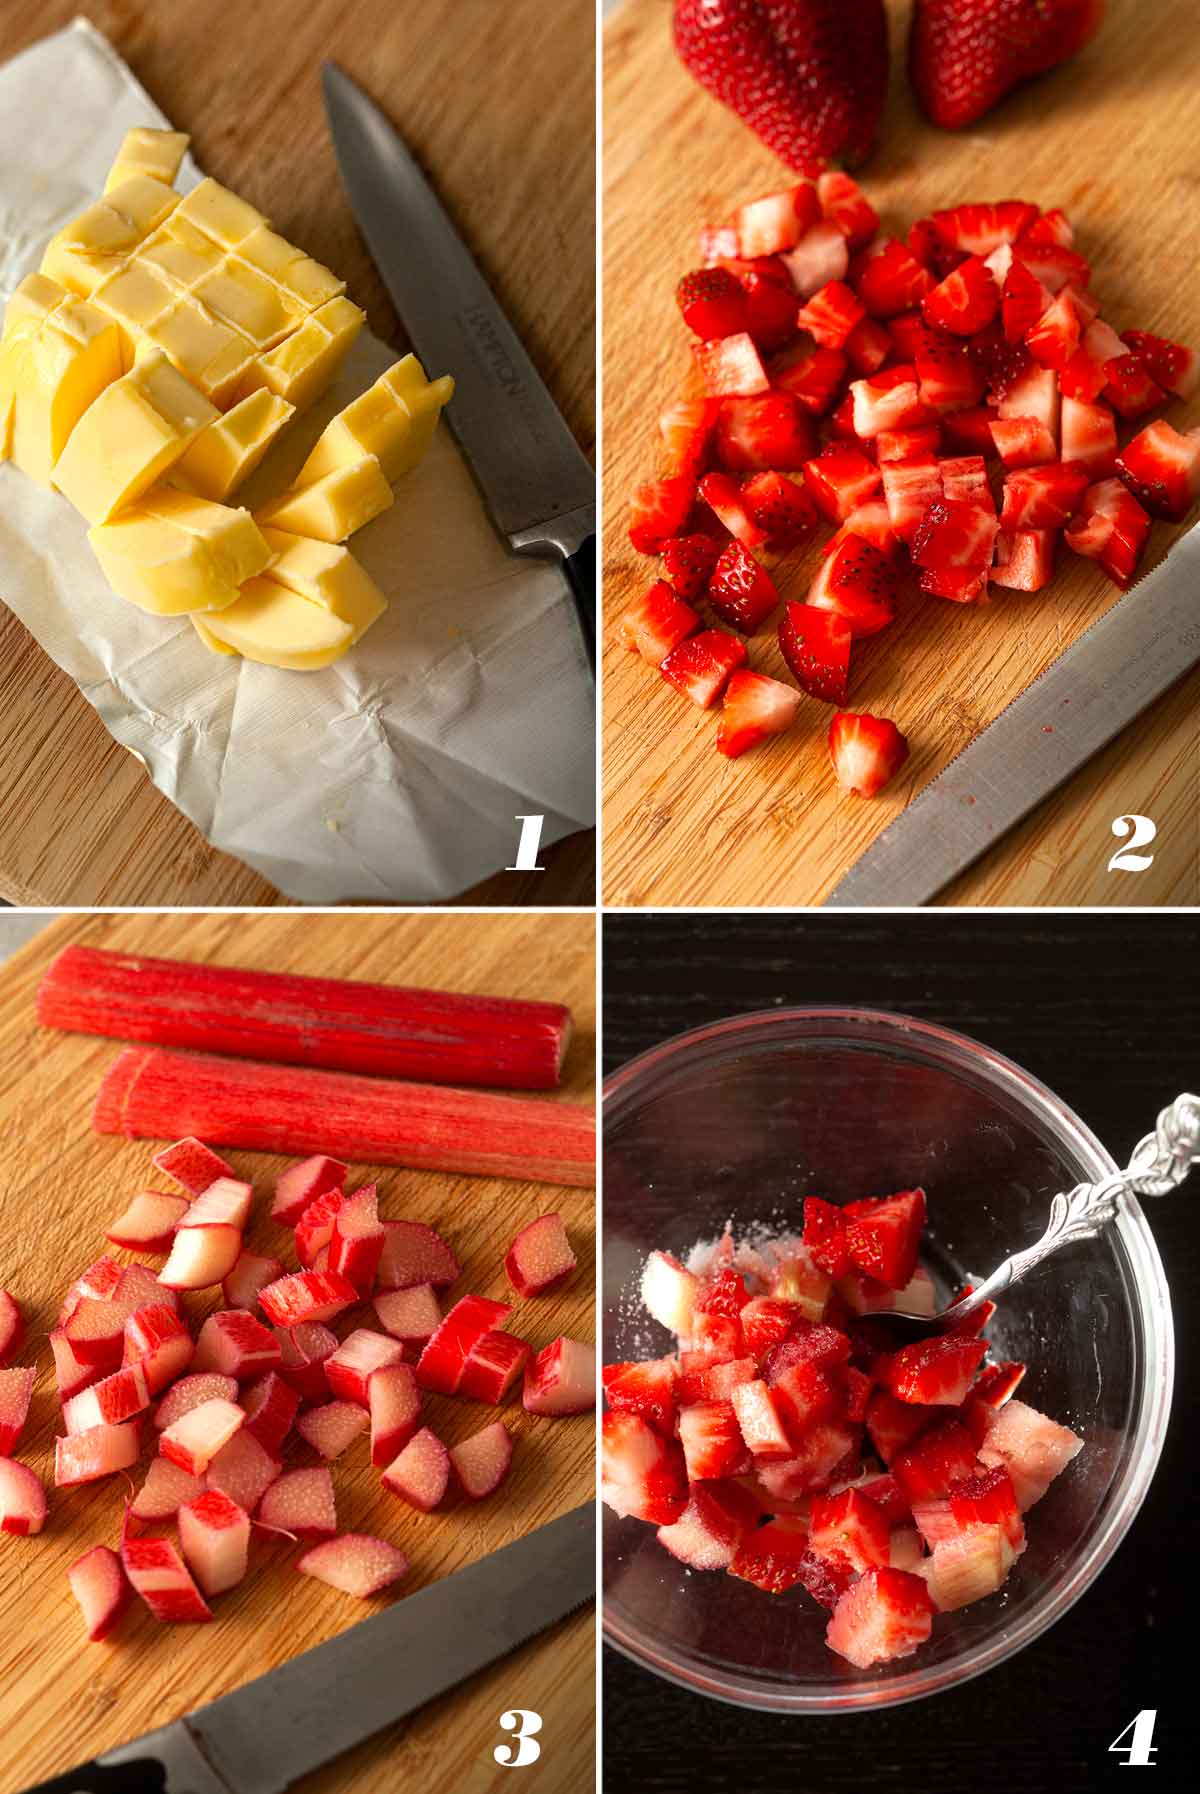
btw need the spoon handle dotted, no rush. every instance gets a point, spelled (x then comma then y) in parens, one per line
(1158, 1163)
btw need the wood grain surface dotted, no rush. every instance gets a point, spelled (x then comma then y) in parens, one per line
(1112, 138)
(80, 822)
(1101, 1009)
(63, 1700)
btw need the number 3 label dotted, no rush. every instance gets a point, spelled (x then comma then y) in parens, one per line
(1142, 831)
(525, 1748)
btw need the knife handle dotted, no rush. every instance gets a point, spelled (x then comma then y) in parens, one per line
(168, 1761)
(580, 569)
(147, 1776)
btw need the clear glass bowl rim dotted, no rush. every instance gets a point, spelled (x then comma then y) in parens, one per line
(1157, 1354)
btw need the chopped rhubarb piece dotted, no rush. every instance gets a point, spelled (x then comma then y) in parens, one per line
(729, 366)
(421, 1473)
(304, 1352)
(758, 1416)
(410, 1315)
(201, 1257)
(935, 1372)
(561, 1380)
(646, 1388)
(349, 1370)
(16, 1387)
(22, 1497)
(658, 620)
(189, 1393)
(102, 1589)
(333, 1427)
(540, 1257)
(700, 667)
(968, 1566)
(250, 1274)
(1033, 1448)
(849, 1526)
(196, 1437)
(482, 1462)
(106, 1403)
(1162, 469)
(642, 1474)
(989, 1499)
(356, 1563)
(235, 1344)
(157, 1339)
(301, 1502)
(306, 1297)
(294, 1109)
(96, 1333)
(70, 1374)
(158, 1574)
(711, 1528)
(356, 1243)
(214, 1533)
(941, 1456)
(270, 1405)
(712, 1441)
(884, 1615)
(100, 1451)
(492, 1367)
(669, 1293)
(883, 1234)
(225, 1203)
(440, 1365)
(934, 1521)
(189, 1161)
(395, 1408)
(244, 1470)
(164, 1491)
(148, 1224)
(314, 1229)
(414, 1253)
(300, 1185)
(99, 1282)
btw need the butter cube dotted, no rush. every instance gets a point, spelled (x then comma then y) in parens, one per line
(136, 298)
(325, 574)
(181, 229)
(208, 638)
(228, 451)
(181, 263)
(76, 270)
(267, 251)
(174, 553)
(8, 400)
(95, 244)
(57, 372)
(156, 154)
(424, 406)
(307, 362)
(311, 284)
(275, 625)
(220, 214)
(210, 354)
(32, 302)
(332, 508)
(137, 428)
(383, 421)
(248, 300)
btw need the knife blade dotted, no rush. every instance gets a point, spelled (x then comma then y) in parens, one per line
(263, 1737)
(1106, 678)
(536, 481)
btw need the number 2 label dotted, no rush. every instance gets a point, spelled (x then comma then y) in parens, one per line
(1141, 831)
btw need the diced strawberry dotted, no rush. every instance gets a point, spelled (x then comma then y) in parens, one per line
(965, 301)
(660, 510)
(643, 1475)
(975, 229)
(300, 1185)
(1042, 497)
(856, 1393)
(700, 666)
(724, 498)
(1024, 559)
(911, 335)
(440, 1365)
(688, 562)
(822, 255)
(816, 646)
(964, 480)
(850, 1527)
(831, 314)
(889, 401)
(891, 279)
(858, 584)
(1169, 364)
(760, 1419)
(842, 433)
(1033, 393)
(871, 523)
(709, 1531)
(765, 226)
(955, 534)
(781, 508)
(730, 366)
(770, 1556)
(805, 1395)
(717, 242)
(842, 199)
(948, 377)
(1023, 441)
(688, 429)
(712, 303)
(1052, 227)
(996, 1382)
(884, 1615)
(804, 1342)
(868, 346)
(1084, 375)
(934, 1521)
(656, 622)
(935, 1372)
(970, 431)
(883, 1234)
(494, 1364)
(765, 1321)
(908, 445)
(1111, 527)
(1033, 1448)
(1055, 337)
(768, 431)
(770, 300)
(1162, 469)
(1129, 388)
(726, 1294)
(909, 488)
(755, 706)
(813, 378)
(825, 1235)
(931, 251)
(1023, 301)
(970, 1324)
(866, 751)
(712, 1440)
(840, 479)
(823, 1452)
(893, 1425)
(1089, 436)
(941, 1455)
(646, 1388)
(988, 1499)
(888, 1496)
(741, 591)
(1054, 264)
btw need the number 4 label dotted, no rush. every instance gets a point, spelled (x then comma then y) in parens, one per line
(525, 1748)
(1140, 1749)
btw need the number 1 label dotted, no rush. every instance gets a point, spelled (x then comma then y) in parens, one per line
(528, 845)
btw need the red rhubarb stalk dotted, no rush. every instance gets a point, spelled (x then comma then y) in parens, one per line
(153, 1093)
(440, 1037)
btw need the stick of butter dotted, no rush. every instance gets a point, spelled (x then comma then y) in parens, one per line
(128, 438)
(307, 362)
(275, 625)
(231, 447)
(382, 422)
(334, 507)
(175, 553)
(153, 153)
(56, 373)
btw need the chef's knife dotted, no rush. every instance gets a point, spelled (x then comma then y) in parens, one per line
(535, 479)
(263, 1737)
(1105, 679)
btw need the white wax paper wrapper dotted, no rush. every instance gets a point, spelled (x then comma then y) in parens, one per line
(393, 776)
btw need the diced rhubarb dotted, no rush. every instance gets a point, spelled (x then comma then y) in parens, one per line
(540, 1257)
(16, 1388)
(884, 1615)
(201, 1257)
(249, 1275)
(301, 1502)
(214, 1533)
(482, 1462)
(410, 1315)
(22, 1497)
(331, 1428)
(300, 1185)
(561, 1380)
(314, 1229)
(102, 1589)
(233, 1343)
(244, 1470)
(196, 1437)
(158, 1574)
(70, 1375)
(349, 1370)
(711, 1528)
(148, 1224)
(421, 1473)
(643, 1475)
(492, 1367)
(113, 1399)
(95, 1333)
(189, 1393)
(989, 1499)
(761, 1423)
(355, 1563)
(158, 1340)
(304, 1352)
(100, 1451)
(1033, 1448)
(189, 1161)
(307, 1296)
(968, 1566)
(356, 1243)
(669, 1293)
(225, 1203)
(414, 1253)
(395, 1409)
(270, 1406)
(440, 1365)
(164, 1491)
(775, 1557)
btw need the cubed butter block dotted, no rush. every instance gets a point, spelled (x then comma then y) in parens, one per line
(174, 553)
(275, 625)
(228, 451)
(332, 508)
(94, 245)
(32, 302)
(267, 251)
(307, 362)
(124, 442)
(325, 574)
(58, 372)
(310, 284)
(208, 638)
(156, 154)
(178, 261)
(382, 421)
(220, 214)
(77, 270)
(8, 399)
(212, 355)
(424, 404)
(136, 298)
(243, 297)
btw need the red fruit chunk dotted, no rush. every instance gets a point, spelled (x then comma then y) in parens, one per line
(301, 1502)
(1024, 559)
(813, 378)
(970, 431)
(309, 1296)
(825, 1235)
(780, 508)
(849, 1527)
(409, 1315)
(942, 1455)
(840, 479)
(314, 1229)
(1089, 436)
(803, 1396)
(892, 280)
(843, 200)
(482, 1462)
(889, 401)
(712, 303)
(1022, 441)
(805, 1342)
(1042, 497)
(883, 1234)
(886, 1614)
(355, 1564)
(892, 1425)
(723, 496)
(816, 646)
(440, 1365)
(770, 301)
(157, 1340)
(770, 1557)
(717, 243)
(935, 1372)
(709, 1531)
(1055, 337)
(823, 1452)
(158, 1574)
(725, 1295)
(642, 1474)
(108, 1402)
(908, 445)
(493, 1365)
(270, 1406)
(988, 1499)
(235, 1344)
(712, 1440)
(968, 1566)
(765, 226)
(540, 1257)
(414, 1253)
(646, 1388)
(332, 1428)
(349, 1370)
(858, 584)
(16, 1387)
(99, 1451)
(660, 510)
(395, 1403)
(201, 1256)
(192, 1164)
(356, 1243)
(1129, 388)
(729, 367)
(769, 431)
(1033, 1448)
(740, 591)
(866, 751)
(700, 667)
(22, 1497)
(215, 1535)
(300, 1185)
(765, 1321)
(303, 1354)
(976, 229)
(189, 1393)
(868, 346)
(102, 1589)
(1169, 364)
(687, 429)
(561, 1380)
(965, 301)
(1023, 301)
(1111, 527)
(909, 488)
(1162, 469)
(831, 314)
(760, 1420)
(754, 708)
(687, 562)
(953, 534)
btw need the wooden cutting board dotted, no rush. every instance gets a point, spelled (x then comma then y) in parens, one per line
(80, 822)
(63, 1700)
(1112, 138)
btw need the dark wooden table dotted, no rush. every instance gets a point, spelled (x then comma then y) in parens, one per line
(1104, 1010)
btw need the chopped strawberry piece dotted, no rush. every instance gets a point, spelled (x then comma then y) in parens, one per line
(840, 479)
(965, 301)
(843, 200)
(712, 1441)
(660, 510)
(700, 666)
(996, 1382)
(765, 1321)
(657, 621)
(831, 314)
(1162, 469)
(724, 498)
(1052, 227)
(755, 706)
(1054, 264)
(868, 346)
(866, 751)
(1129, 388)
(948, 377)
(930, 250)
(891, 279)
(781, 508)
(883, 1234)
(889, 401)
(858, 584)
(825, 1235)
(816, 645)
(725, 1295)
(1110, 527)
(688, 562)
(970, 431)
(842, 433)
(1042, 497)
(768, 431)
(955, 534)
(717, 243)
(822, 255)
(770, 301)
(976, 229)
(871, 523)
(771, 1556)
(988, 1499)
(1023, 441)
(730, 366)
(1169, 364)
(741, 592)
(688, 429)
(884, 1615)
(760, 1420)
(712, 302)
(642, 1474)
(1024, 300)
(935, 1371)
(1089, 436)
(822, 1453)
(1024, 559)
(813, 378)
(942, 1454)
(1055, 337)
(646, 1388)
(964, 479)
(804, 1342)
(908, 445)
(909, 488)
(849, 1526)
(804, 1395)
(893, 1425)
(1084, 375)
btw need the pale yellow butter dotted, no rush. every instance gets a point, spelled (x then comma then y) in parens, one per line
(310, 284)
(146, 152)
(278, 626)
(208, 638)
(307, 362)
(228, 451)
(334, 507)
(136, 298)
(249, 301)
(76, 270)
(267, 251)
(32, 302)
(124, 442)
(174, 553)
(181, 263)
(424, 404)
(212, 355)
(94, 245)
(57, 372)
(219, 213)
(324, 573)
(393, 420)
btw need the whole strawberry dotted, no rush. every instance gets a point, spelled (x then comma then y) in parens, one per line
(964, 55)
(808, 75)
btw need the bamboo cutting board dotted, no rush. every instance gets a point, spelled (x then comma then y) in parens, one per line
(63, 1700)
(1112, 138)
(80, 822)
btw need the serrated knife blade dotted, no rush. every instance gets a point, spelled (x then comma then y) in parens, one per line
(1096, 687)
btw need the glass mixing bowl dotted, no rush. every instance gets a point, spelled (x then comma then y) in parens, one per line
(738, 1122)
